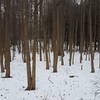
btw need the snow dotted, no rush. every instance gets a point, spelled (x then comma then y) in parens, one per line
(53, 86)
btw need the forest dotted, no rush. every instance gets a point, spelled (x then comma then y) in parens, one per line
(42, 27)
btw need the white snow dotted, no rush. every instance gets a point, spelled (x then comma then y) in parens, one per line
(53, 86)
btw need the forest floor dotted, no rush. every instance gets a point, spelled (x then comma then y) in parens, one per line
(70, 83)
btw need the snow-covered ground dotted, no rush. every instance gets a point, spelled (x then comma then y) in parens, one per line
(53, 86)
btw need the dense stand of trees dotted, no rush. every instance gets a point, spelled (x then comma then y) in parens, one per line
(36, 26)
